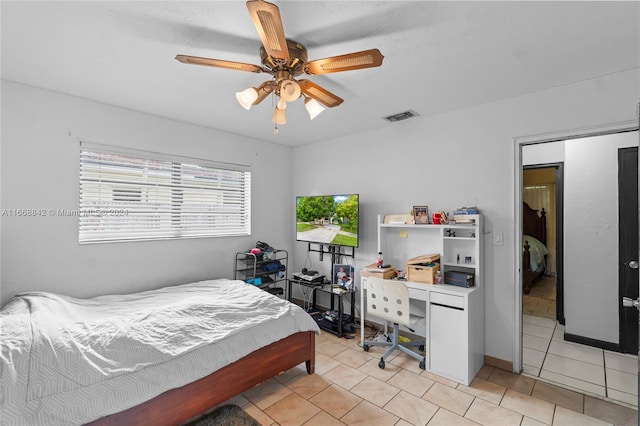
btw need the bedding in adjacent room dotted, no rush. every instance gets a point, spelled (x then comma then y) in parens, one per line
(69, 361)
(538, 252)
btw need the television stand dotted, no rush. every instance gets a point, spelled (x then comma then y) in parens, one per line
(343, 322)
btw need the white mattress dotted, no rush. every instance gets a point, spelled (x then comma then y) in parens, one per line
(70, 361)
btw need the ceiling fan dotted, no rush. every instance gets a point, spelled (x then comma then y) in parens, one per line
(286, 59)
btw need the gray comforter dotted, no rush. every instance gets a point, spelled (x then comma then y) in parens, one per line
(69, 361)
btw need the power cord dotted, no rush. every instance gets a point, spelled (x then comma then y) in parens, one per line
(374, 333)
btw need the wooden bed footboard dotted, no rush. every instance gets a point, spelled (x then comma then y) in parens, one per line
(528, 276)
(178, 405)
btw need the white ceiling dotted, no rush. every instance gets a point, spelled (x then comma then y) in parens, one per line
(439, 56)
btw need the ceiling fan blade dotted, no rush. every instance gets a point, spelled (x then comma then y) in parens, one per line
(239, 66)
(320, 94)
(351, 61)
(266, 18)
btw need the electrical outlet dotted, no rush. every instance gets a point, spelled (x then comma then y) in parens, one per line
(497, 238)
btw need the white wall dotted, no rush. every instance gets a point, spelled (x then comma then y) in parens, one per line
(591, 235)
(40, 162)
(461, 158)
(543, 153)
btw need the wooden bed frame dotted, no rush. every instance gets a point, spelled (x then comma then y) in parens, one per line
(536, 226)
(178, 405)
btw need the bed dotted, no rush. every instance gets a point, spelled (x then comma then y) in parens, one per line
(534, 241)
(157, 357)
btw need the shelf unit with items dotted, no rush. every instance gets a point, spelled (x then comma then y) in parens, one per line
(462, 250)
(458, 244)
(454, 313)
(266, 270)
(338, 322)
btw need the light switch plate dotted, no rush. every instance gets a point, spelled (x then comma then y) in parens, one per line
(497, 238)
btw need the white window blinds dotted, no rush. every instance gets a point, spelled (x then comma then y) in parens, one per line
(136, 195)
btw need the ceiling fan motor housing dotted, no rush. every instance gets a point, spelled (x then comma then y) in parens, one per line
(295, 64)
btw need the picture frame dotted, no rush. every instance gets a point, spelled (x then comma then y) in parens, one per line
(421, 215)
(343, 276)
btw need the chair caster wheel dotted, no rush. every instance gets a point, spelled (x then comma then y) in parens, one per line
(421, 348)
(366, 348)
(422, 365)
(381, 363)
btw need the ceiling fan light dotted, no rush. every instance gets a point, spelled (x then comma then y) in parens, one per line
(282, 104)
(247, 97)
(279, 116)
(289, 90)
(313, 107)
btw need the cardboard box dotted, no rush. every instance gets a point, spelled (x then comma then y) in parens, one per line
(423, 269)
(459, 278)
(373, 271)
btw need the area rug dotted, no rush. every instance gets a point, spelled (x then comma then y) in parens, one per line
(227, 415)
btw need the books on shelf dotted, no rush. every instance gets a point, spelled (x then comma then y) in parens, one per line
(466, 211)
(465, 214)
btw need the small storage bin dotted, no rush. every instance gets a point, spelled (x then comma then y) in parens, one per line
(422, 269)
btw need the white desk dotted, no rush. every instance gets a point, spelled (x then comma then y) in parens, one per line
(454, 327)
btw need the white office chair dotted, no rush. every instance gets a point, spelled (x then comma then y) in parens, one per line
(389, 300)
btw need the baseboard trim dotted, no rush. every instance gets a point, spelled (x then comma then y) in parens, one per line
(498, 363)
(614, 347)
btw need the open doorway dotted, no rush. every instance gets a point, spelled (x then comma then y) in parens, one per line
(542, 192)
(586, 352)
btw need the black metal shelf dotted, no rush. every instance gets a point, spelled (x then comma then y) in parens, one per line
(249, 266)
(335, 326)
(340, 328)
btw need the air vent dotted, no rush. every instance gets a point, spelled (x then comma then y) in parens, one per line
(401, 116)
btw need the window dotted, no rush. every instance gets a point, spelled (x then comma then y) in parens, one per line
(136, 195)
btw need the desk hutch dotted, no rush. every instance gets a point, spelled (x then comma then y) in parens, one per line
(454, 316)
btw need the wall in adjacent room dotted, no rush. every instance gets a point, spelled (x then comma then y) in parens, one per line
(462, 158)
(591, 296)
(41, 131)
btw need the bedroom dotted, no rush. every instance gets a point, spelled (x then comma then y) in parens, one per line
(392, 167)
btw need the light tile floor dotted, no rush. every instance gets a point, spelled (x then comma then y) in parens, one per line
(589, 370)
(349, 389)
(548, 357)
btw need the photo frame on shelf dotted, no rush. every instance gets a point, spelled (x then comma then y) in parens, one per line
(343, 276)
(421, 215)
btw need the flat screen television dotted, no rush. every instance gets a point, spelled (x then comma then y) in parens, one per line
(328, 219)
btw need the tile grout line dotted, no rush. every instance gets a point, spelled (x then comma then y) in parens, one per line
(546, 352)
(604, 373)
(469, 407)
